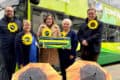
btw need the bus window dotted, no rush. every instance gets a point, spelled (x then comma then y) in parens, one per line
(111, 33)
(4, 3)
(76, 22)
(19, 6)
(38, 15)
(21, 10)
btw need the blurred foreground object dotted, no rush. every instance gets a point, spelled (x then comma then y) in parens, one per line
(87, 70)
(37, 71)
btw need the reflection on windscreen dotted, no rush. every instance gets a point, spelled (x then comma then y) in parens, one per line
(1, 13)
(4, 3)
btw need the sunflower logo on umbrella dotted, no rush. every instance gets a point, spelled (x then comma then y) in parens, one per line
(12, 27)
(93, 24)
(46, 32)
(27, 39)
(63, 34)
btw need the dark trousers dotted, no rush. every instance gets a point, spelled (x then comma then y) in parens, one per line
(88, 54)
(65, 62)
(90, 57)
(3, 72)
(10, 63)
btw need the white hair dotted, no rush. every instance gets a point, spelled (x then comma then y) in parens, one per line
(67, 20)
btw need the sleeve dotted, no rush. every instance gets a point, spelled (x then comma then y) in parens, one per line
(80, 34)
(55, 30)
(41, 27)
(37, 40)
(19, 23)
(18, 49)
(38, 32)
(74, 43)
(96, 34)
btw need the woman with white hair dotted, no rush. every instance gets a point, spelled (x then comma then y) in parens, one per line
(67, 56)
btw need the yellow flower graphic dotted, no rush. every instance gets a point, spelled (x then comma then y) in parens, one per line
(46, 32)
(27, 39)
(12, 27)
(93, 24)
(63, 34)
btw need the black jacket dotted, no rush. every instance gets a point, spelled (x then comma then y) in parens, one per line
(93, 36)
(7, 48)
(7, 38)
(22, 51)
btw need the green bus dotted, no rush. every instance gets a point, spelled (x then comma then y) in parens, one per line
(60, 9)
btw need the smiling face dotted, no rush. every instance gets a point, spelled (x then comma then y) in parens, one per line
(91, 14)
(66, 24)
(9, 12)
(26, 26)
(49, 20)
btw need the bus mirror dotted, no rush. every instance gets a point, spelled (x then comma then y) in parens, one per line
(35, 1)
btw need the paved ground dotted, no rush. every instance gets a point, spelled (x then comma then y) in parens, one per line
(114, 70)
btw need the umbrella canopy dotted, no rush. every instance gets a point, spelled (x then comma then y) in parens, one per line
(87, 70)
(37, 71)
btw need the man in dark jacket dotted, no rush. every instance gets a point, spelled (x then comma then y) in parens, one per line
(90, 37)
(9, 26)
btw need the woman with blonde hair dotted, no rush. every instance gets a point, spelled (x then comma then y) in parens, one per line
(26, 47)
(49, 55)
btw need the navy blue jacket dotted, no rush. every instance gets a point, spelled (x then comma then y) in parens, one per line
(23, 51)
(72, 51)
(74, 42)
(64, 54)
(7, 38)
(93, 36)
(7, 48)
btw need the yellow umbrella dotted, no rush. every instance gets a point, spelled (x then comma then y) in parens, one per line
(36, 71)
(86, 70)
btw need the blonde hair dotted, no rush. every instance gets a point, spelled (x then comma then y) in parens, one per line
(26, 21)
(68, 20)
